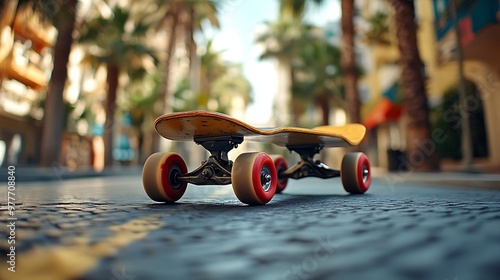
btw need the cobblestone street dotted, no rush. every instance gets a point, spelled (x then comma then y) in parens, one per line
(107, 228)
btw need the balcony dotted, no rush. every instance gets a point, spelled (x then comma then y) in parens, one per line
(28, 74)
(26, 65)
(29, 28)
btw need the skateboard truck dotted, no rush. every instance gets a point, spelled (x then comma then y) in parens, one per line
(216, 170)
(307, 167)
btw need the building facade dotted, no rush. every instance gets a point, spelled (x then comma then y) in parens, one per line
(25, 67)
(479, 25)
(480, 29)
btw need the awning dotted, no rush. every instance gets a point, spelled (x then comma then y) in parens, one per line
(385, 111)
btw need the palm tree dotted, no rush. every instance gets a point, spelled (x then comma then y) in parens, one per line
(186, 16)
(220, 81)
(349, 61)
(53, 121)
(33, 6)
(313, 65)
(212, 67)
(320, 73)
(232, 84)
(229, 85)
(111, 43)
(421, 157)
(282, 41)
(295, 8)
(142, 96)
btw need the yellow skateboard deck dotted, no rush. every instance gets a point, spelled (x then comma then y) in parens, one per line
(185, 126)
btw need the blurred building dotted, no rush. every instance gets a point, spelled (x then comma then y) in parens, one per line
(384, 114)
(479, 24)
(26, 62)
(25, 67)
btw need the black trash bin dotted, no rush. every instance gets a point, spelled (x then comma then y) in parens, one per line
(395, 159)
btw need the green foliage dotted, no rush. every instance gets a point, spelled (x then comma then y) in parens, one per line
(111, 41)
(315, 64)
(295, 8)
(447, 119)
(141, 98)
(319, 69)
(205, 10)
(211, 63)
(184, 97)
(34, 7)
(220, 82)
(48, 13)
(378, 28)
(232, 84)
(284, 38)
(68, 110)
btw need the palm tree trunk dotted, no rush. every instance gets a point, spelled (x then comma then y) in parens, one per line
(140, 143)
(323, 102)
(110, 108)
(297, 105)
(421, 150)
(349, 61)
(189, 37)
(53, 120)
(168, 61)
(298, 109)
(165, 93)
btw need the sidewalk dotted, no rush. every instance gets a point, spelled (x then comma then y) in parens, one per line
(481, 174)
(475, 180)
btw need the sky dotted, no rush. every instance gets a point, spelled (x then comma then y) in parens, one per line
(240, 19)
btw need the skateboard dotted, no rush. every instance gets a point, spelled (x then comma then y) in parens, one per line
(256, 176)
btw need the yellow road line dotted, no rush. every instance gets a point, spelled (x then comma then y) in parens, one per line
(69, 262)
